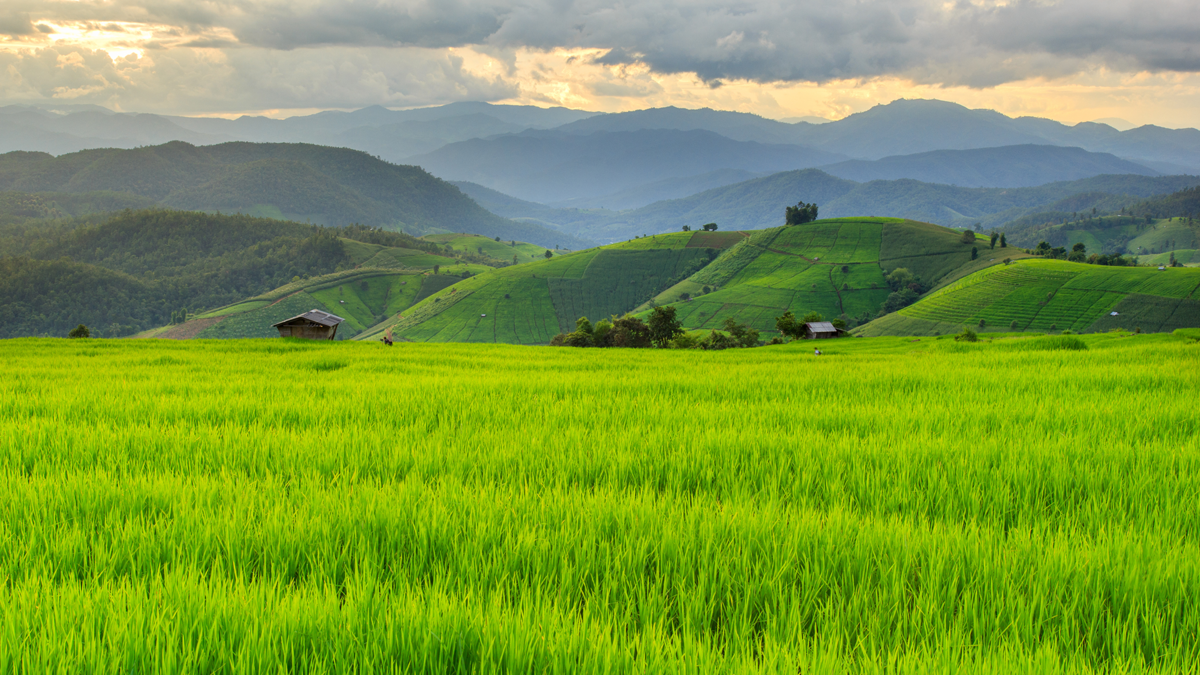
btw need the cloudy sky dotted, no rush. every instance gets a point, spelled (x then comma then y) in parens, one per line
(1071, 60)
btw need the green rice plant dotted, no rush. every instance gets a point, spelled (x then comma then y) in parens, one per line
(893, 506)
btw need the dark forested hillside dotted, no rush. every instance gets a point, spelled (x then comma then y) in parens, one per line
(133, 270)
(322, 185)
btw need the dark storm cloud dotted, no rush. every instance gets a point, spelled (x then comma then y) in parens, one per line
(978, 42)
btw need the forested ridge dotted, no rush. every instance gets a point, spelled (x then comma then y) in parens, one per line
(286, 181)
(131, 271)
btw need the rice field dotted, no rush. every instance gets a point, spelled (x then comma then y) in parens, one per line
(894, 506)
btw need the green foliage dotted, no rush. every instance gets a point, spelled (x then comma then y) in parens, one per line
(664, 326)
(80, 331)
(800, 213)
(967, 335)
(788, 326)
(710, 227)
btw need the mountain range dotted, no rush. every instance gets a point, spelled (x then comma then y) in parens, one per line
(759, 203)
(317, 184)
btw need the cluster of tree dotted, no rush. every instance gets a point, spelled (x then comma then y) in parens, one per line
(661, 330)
(791, 328)
(1079, 254)
(800, 213)
(707, 227)
(906, 289)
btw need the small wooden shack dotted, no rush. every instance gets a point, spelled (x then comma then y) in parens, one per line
(820, 330)
(312, 325)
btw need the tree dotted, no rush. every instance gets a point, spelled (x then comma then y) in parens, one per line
(710, 227)
(788, 326)
(549, 254)
(1003, 243)
(968, 237)
(812, 317)
(995, 237)
(514, 259)
(663, 326)
(1043, 249)
(974, 252)
(742, 335)
(687, 228)
(582, 325)
(80, 331)
(898, 300)
(630, 331)
(800, 213)
(978, 226)
(899, 278)
(497, 239)
(436, 268)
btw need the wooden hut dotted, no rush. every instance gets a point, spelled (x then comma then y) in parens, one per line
(820, 330)
(312, 325)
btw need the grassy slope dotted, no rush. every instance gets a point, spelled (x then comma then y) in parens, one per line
(530, 304)
(834, 267)
(1044, 295)
(500, 250)
(361, 297)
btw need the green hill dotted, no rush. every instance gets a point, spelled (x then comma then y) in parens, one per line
(361, 297)
(138, 269)
(833, 267)
(1050, 295)
(531, 303)
(504, 250)
(293, 181)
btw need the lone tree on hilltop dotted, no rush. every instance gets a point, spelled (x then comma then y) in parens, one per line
(968, 237)
(549, 254)
(710, 227)
(664, 327)
(80, 331)
(687, 228)
(801, 213)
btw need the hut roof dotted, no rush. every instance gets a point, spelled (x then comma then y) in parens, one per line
(821, 327)
(316, 316)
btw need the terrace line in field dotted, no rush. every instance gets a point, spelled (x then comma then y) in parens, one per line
(1042, 295)
(834, 267)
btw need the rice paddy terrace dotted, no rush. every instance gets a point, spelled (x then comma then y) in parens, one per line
(531, 303)
(835, 267)
(268, 506)
(1051, 295)
(386, 281)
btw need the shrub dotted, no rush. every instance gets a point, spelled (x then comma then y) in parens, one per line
(967, 335)
(1013, 325)
(685, 341)
(80, 331)
(982, 323)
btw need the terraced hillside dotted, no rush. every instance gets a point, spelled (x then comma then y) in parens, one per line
(531, 303)
(1050, 295)
(834, 267)
(361, 297)
(499, 249)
